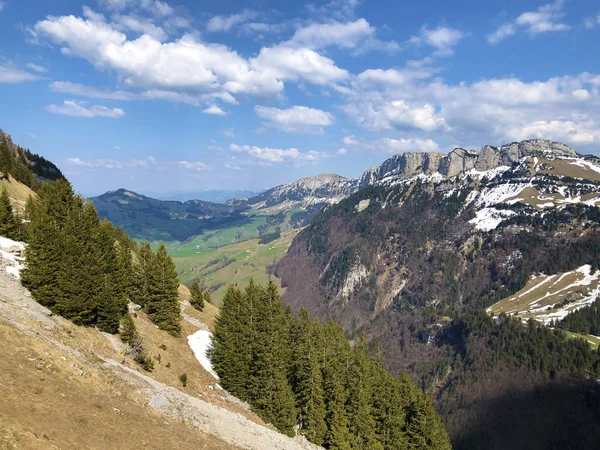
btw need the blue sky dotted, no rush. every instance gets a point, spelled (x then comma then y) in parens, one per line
(188, 95)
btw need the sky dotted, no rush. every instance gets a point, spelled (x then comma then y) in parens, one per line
(158, 96)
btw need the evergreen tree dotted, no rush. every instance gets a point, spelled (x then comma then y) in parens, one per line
(231, 349)
(72, 260)
(336, 363)
(162, 305)
(270, 392)
(196, 296)
(6, 159)
(359, 407)
(46, 241)
(142, 271)
(128, 330)
(9, 226)
(307, 377)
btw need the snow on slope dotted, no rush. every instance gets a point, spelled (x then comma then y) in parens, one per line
(10, 252)
(552, 297)
(200, 342)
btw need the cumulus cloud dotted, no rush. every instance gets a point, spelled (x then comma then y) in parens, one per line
(226, 23)
(390, 145)
(186, 66)
(79, 109)
(215, 111)
(139, 25)
(270, 156)
(440, 38)
(547, 18)
(298, 64)
(297, 119)
(487, 111)
(354, 35)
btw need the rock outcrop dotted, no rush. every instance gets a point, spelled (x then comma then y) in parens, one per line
(461, 160)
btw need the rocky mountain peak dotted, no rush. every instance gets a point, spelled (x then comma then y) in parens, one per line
(461, 160)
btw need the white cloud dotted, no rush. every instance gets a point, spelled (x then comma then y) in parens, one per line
(390, 145)
(185, 65)
(358, 35)
(269, 156)
(78, 109)
(488, 111)
(147, 162)
(297, 119)
(215, 111)
(140, 25)
(11, 74)
(66, 87)
(591, 22)
(581, 133)
(2, 5)
(546, 18)
(341, 151)
(226, 23)
(503, 32)
(397, 114)
(440, 38)
(37, 68)
(197, 165)
(298, 64)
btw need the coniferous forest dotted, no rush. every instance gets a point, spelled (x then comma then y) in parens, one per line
(86, 270)
(297, 372)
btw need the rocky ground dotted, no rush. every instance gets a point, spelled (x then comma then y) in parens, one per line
(72, 387)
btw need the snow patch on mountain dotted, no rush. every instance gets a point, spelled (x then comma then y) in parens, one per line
(200, 342)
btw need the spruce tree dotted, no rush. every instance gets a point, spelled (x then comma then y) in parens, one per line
(46, 241)
(128, 331)
(162, 305)
(307, 377)
(6, 159)
(196, 296)
(359, 408)
(9, 226)
(141, 274)
(336, 363)
(270, 392)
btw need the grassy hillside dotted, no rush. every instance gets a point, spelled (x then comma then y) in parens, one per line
(216, 267)
(18, 192)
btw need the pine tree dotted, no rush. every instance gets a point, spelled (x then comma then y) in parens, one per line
(8, 223)
(6, 159)
(162, 305)
(128, 330)
(231, 349)
(45, 256)
(270, 392)
(196, 296)
(359, 407)
(142, 269)
(336, 363)
(307, 377)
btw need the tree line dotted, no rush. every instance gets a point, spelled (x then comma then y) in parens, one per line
(297, 372)
(585, 320)
(87, 271)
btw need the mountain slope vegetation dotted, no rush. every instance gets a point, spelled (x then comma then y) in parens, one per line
(431, 240)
